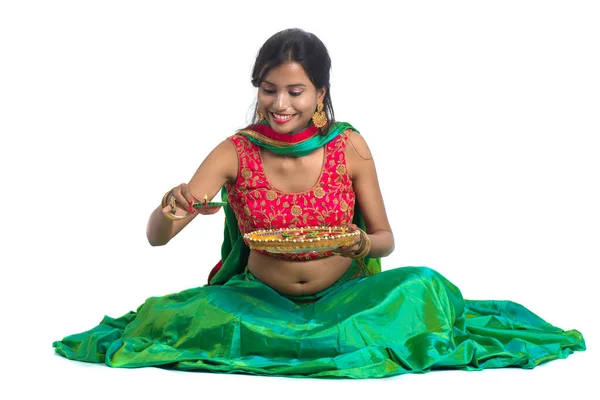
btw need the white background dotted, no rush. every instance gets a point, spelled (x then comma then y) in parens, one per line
(483, 118)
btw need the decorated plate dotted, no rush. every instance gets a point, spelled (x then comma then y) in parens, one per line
(300, 240)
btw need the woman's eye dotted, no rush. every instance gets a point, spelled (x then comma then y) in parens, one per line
(268, 91)
(295, 93)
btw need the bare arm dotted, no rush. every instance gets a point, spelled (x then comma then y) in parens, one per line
(219, 167)
(361, 168)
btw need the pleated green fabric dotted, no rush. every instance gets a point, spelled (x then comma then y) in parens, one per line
(403, 320)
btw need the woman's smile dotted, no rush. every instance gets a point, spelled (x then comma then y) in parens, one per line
(281, 118)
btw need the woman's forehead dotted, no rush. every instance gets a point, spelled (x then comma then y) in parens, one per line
(288, 74)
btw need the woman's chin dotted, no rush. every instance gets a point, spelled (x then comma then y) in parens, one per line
(285, 129)
(282, 131)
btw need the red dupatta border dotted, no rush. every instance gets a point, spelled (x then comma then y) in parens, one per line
(266, 134)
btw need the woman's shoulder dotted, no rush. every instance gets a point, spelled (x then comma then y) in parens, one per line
(226, 149)
(238, 139)
(358, 146)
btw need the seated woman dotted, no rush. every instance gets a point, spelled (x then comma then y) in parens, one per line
(324, 313)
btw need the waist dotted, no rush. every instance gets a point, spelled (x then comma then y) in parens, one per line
(299, 256)
(297, 278)
(353, 271)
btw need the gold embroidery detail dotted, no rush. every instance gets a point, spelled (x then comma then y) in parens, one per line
(296, 211)
(343, 205)
(330, 202)
(246, 173)
(271, 195)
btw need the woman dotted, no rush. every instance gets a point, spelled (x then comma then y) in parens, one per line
(330, 313)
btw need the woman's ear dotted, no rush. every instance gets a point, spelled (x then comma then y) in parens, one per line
(321, 95)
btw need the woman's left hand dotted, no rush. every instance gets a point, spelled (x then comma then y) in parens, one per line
(347, 251)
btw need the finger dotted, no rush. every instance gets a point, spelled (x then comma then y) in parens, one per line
(181, 199)
(349, 249)
(345, 250)
(187, 193)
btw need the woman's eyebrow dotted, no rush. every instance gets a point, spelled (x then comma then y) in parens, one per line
(295, 84)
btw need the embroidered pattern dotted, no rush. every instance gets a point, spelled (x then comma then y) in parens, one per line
(258, 205)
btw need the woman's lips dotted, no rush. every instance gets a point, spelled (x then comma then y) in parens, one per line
(282, 118)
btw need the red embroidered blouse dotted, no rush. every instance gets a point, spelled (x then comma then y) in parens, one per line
(258, 205)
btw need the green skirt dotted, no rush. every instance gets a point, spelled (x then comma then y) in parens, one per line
(399, 321)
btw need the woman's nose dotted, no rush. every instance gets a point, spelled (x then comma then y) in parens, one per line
(281, 101)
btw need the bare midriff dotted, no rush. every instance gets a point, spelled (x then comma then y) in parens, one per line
(297, 278)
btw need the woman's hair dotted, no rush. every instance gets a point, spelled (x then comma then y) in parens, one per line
(304, 48)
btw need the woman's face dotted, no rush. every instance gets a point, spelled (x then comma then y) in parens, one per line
(287, 98)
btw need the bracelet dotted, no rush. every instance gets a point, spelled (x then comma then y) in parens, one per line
(163, 202)
(171, 213)
(364, 248)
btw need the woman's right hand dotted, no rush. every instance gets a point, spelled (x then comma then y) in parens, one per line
(185, 199)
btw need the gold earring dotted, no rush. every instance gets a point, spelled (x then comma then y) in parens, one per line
(259, 115)
(319, 118)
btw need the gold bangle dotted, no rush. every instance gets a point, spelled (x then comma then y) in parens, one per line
(365, 251)
(364, 248)
(163, 202)
(174, 217)
(171, 213)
